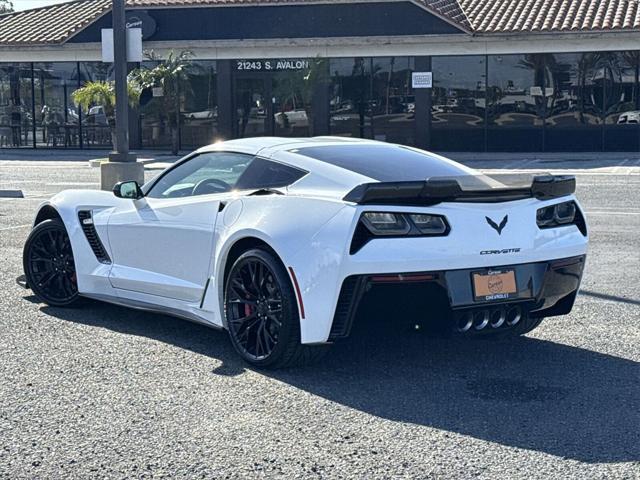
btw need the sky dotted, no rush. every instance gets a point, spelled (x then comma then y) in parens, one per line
(25, 4)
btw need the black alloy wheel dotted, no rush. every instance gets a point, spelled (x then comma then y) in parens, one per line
(254, 308)
(48, 264)
(262, 313)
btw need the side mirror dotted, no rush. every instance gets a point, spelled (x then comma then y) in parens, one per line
(129, 189)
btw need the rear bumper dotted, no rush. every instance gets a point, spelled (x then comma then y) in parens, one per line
(543, 289)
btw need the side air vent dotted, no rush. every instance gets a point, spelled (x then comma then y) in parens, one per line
(350, 295)
(86, 221)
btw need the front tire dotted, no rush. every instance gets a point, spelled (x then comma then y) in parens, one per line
(262, 313)
(48, 264)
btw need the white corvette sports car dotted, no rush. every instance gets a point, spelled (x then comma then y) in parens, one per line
(279, 241)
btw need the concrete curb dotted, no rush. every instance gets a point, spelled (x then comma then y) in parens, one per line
(95, 163)
(11, 194)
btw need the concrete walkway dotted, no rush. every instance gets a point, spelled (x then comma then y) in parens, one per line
(27, 154)
(619, 162)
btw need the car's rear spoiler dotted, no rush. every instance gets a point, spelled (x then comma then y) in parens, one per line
(437, 190)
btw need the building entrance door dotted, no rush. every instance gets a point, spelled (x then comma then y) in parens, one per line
(253, 106)
(273, 101)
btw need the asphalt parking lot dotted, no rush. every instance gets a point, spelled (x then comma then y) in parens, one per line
(105, 392)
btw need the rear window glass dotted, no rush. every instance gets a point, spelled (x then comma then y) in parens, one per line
(266, 174)
(385, 163)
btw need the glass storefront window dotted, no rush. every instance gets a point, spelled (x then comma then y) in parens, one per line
(251, 107)
(392, 103)
(155, 121)
(57, 117)
(621, 105)
(585, 101)
(16, 109)
(458, 103)
(96, 132)
(292, 93)
(277, 96)
(199, 112)
(350, 97)
(573, 103)
(515, 102)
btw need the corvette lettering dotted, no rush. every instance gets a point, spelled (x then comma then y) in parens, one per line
(500, 252)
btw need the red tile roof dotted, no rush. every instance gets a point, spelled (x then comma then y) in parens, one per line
(449, 9)
(57, 23)
(500, 16)
(53, 24)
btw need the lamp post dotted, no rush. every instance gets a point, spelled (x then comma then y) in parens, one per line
(122, 164)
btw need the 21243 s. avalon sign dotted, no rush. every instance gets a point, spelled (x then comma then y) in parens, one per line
(277, 65)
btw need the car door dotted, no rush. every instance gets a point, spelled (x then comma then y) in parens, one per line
(162, 244)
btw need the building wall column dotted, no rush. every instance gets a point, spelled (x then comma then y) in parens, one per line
(423, 106)
(224, 84)
(320, 99)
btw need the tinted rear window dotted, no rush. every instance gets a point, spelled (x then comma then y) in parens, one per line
(385, 163)
(266, 174)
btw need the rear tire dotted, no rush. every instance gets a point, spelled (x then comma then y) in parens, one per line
(262, 313)
(48, 264)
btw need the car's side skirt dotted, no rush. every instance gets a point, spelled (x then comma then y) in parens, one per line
(150, 307)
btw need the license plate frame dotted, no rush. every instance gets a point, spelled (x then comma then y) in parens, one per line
(494, 285)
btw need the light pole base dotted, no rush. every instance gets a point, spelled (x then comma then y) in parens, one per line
(122, 157)
(112, 172)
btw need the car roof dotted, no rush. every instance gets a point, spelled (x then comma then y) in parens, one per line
(262, 145)
(335, 171)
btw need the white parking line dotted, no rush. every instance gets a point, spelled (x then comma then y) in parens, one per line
(15, 227)
(74, 184)
(621, 167)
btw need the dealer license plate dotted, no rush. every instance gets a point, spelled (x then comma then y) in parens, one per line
(494, 285)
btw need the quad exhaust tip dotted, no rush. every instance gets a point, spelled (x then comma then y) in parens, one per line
(497, 318)
(494, 317)
(465, 322)
(514, 314)
(480, 319)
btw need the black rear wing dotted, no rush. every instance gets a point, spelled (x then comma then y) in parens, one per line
(437, 190)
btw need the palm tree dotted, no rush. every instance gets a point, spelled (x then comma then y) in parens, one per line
(587, 65)
(540, 64)
(6, 6)
(103, 94)
(632, 60)
(171, 75)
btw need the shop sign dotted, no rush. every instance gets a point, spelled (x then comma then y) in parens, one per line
(142, 20)
(422, 79)
(134, 45)
(535, 91)
(277, 65)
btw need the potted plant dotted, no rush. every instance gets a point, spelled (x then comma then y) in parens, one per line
(101, 96)
(169, 78)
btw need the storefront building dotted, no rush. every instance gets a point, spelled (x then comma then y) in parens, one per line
(505, 75)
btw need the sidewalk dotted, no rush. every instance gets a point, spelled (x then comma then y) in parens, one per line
(542, 156)
(616, 162)
(621, 162)
(43, 155)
